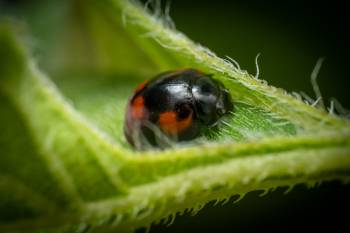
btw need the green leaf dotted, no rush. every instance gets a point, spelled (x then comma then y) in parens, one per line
(66, 166)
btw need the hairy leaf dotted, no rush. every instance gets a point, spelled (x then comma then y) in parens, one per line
(66, 166)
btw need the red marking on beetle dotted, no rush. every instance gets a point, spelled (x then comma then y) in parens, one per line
(141, 86)
(138, 107)
(169, 123)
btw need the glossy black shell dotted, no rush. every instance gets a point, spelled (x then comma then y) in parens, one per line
(185, 93)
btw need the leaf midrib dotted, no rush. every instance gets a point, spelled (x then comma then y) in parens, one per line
(101, 211)
(216, 153)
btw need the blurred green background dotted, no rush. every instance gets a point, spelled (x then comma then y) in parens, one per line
(290, 37)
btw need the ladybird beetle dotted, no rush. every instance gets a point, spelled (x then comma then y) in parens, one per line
(174, 106)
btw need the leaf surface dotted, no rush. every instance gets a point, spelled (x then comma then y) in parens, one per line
(65, 164)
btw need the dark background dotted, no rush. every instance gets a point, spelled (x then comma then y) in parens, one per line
(290, 37)
(324, 209)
